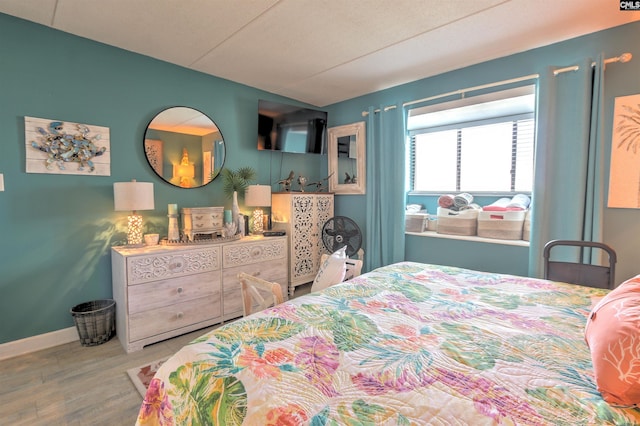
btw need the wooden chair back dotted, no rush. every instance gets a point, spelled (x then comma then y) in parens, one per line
(258, 294)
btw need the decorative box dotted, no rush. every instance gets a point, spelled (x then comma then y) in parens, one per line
(505, 225)
(463, 222)
(202, 220)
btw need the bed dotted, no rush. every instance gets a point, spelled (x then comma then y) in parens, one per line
(405, 344)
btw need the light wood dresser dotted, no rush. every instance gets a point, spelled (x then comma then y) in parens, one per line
(166, 290)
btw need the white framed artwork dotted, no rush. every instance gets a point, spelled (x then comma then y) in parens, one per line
(59, 147)
(624, 170)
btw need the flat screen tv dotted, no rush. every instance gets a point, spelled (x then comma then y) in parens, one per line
(289, 128)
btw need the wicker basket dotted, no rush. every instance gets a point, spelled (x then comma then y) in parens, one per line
(95, 321)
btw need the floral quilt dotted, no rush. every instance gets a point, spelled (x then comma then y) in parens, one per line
(406, 344)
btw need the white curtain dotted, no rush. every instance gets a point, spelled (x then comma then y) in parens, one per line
(385, 198)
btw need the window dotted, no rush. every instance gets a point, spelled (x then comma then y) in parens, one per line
(482, 144)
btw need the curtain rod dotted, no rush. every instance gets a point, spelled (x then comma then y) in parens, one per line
(375, 111)
(461, 92)
(474, 88)
(625, 57)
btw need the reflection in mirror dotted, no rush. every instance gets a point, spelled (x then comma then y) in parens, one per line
(184, 147)
(347, 159)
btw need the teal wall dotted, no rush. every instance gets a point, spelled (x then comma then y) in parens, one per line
(500, 258)
(622, 226)
(56, 231)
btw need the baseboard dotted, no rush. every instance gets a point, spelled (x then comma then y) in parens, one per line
(37, 343)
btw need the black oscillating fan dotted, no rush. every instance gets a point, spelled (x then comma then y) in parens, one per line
(340, 231)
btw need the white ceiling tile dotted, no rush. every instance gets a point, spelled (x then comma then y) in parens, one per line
(324, 51)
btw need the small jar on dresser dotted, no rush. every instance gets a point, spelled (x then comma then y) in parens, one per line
(163, 291)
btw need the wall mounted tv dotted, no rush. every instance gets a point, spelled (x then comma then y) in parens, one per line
(289, 128)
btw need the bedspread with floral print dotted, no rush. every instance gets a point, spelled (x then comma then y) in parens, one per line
(406, 344)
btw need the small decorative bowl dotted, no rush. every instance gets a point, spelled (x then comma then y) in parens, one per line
(151, 239)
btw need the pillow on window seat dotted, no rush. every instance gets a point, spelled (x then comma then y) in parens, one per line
(331, 271)
(613, 336)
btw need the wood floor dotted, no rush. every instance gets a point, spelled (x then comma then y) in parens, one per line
(73, 384)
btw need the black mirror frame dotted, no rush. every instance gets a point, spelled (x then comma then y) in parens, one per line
(153, 167)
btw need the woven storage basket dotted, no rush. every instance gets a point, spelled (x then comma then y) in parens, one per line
(95, 321)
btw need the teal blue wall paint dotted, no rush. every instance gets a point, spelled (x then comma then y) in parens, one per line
(468, 254)
(56, 231)
(620, 80)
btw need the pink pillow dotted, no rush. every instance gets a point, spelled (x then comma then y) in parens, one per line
(613, 336)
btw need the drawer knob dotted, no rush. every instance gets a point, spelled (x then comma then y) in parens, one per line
(180, 290)
(179, 315)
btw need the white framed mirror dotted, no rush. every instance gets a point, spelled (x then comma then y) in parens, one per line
(347, 167)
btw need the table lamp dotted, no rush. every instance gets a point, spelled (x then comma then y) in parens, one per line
(185, 171)
(133, 196)
(258, 196)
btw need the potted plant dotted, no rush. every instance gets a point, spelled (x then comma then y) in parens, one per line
(237, 181)
(234, 182)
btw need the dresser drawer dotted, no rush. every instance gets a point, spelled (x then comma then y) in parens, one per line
(162, 266)
(157, 294)
(161, 320)
(248, 253)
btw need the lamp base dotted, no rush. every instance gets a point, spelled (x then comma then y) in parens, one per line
(258, 227)
(134, 229)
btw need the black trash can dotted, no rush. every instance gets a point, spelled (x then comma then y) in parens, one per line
(95, 321)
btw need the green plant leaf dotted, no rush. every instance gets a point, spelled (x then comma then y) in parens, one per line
(237, 181)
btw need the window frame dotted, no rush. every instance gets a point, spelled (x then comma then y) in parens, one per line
(461, 124)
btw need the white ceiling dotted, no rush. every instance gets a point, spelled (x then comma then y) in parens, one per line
(324, 51)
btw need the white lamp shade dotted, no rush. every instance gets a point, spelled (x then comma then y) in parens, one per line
(128, 196)
(258, 196)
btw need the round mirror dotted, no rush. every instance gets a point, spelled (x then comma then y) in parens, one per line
(184, 147)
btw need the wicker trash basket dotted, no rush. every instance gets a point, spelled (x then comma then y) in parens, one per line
(95, 321)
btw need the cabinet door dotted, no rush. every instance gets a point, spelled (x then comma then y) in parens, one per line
(304, 239)
(323, 212)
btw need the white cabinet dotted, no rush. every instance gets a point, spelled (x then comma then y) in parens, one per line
(164, 291)
(302, 215)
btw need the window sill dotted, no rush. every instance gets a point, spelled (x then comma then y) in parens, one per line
(434, 234)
